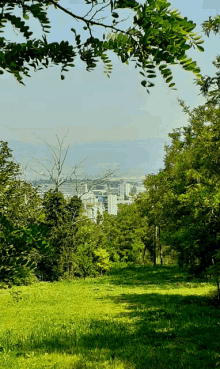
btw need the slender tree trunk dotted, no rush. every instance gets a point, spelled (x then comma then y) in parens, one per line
(160, 247)
(217, 282)
(155, 246)
(145, 248)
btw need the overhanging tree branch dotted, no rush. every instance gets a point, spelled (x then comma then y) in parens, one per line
(159, 37)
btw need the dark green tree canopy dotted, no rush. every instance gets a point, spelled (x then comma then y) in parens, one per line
(54, 205)
(74, 206)
(159, 37)
(8, 168)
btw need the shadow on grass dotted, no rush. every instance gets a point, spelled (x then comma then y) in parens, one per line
(154, 330)
(146, 275)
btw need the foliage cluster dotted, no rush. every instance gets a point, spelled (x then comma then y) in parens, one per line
(183, 199)
(159, 38)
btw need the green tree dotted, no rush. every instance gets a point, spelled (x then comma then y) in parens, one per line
(54, 206)
(74, 208)
(87, 255)
(125, 234)
(22, 238)
(21, 248)
(58, 217)
(192, 191)
(151, 205)
(159, 37)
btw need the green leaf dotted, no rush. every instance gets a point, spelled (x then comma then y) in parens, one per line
(185, 47)
(163, 66)
(115, 15)
(182, 57)
(62, 77)
(193, 64)
(144, 83)
(200, 48)
(196, 70)
(169, 79)
(151, 66)
(197, 38)
(188, 67)
(151, 76)
(166, 71)
(200, 42)
(172, 85)
(186, 62)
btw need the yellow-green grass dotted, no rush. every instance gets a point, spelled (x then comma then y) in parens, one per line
(133, 318)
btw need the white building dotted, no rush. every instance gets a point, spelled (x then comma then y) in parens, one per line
(92, 210)
(109, 202)
(127, 189)
(89, 198)
(112, 204)
(121, 190)
(124, 189)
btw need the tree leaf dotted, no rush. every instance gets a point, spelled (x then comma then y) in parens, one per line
(169, 79)
(200, 48)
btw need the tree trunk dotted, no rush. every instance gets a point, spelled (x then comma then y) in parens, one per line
(155, 247)
(217, 282)
(160, 247)
(145, 248)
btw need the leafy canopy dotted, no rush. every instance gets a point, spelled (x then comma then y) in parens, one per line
(159, 37)
(209, 86)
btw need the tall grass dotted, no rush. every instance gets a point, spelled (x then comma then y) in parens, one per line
(133, 318)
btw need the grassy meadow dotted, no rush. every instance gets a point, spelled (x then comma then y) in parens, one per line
(140, 317)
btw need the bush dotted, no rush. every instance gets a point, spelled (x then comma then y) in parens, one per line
(103, 263)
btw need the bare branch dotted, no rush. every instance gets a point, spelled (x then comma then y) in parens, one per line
(100, 181)
(88, 22)
(99, 10)
(65, 156)
(89, 10)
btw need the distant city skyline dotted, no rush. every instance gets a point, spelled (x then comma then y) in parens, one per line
(95, 198)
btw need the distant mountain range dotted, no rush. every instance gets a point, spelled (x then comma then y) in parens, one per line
(135, 158)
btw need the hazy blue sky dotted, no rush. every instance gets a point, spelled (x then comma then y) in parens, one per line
(96, 108)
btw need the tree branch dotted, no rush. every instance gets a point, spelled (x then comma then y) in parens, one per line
(88, 22)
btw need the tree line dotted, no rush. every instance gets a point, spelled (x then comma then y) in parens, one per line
(176, 219)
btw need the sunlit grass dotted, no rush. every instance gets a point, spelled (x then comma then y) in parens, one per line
(136, 317)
